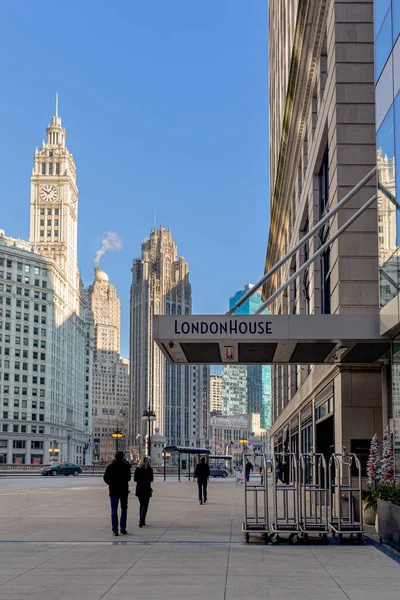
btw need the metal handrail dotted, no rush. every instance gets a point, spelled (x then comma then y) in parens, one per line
(303, 240)
(320, 251)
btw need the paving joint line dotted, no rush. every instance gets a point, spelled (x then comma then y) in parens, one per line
(330, 574)
(126, 572)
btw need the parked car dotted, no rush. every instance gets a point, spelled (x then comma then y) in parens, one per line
(62, 469)
(218, 472)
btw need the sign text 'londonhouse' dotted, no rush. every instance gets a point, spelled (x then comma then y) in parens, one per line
(229, 327)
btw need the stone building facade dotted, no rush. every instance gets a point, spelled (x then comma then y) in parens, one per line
(178, 395)
(110, 371)
(322, 143)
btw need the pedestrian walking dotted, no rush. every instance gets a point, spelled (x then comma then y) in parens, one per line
(117, 476)
(202, 472)
(144, 478)
(278, 470)
(248, 468)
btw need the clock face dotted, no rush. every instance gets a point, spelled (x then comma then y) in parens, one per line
(48, 193)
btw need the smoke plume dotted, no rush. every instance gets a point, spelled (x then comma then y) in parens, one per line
(110, 242)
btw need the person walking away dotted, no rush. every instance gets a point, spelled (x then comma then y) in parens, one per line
(144, 478)
(202, 472)
(278, 470)
(248, 468)
(117, 476)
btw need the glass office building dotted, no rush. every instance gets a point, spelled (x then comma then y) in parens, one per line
(255, 396)
(387, 97)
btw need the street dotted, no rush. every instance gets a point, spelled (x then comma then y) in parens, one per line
(55, 542)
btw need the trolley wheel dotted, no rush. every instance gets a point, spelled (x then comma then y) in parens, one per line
(340, 537)
(266, 538)
(360, 538)
(274, 538)
(324, 538)
(305, 537)
(293, 538)
(333, 533)
(247, 538)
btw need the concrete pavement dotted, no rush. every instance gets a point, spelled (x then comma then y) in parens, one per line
(55, 542)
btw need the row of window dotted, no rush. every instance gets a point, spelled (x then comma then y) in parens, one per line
(50, 168)
(50, 211)
(36, 306)
(18, 328)
(17, 366)
(21, 267)
(25, 354)
(24, 403)
(22, 416)
(24, 378)
(49, 233)
(24, 391)
(25, 341)
(16, 428)
(35, 444)
(18, 315)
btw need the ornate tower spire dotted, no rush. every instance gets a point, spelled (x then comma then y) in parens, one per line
(54, 200)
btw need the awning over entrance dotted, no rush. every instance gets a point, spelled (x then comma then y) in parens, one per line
(282, 339)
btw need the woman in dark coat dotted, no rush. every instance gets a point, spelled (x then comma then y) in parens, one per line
(144, 478)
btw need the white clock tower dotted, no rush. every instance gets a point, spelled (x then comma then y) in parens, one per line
(54, 202)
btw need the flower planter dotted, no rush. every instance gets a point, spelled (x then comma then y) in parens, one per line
(389, 523)
(368, 515)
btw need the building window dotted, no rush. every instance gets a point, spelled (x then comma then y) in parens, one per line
(51, 169)
(324, 234)
(57, 168)
(43, 168)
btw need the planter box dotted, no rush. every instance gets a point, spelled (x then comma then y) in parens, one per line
(368, 515)
(389, 523)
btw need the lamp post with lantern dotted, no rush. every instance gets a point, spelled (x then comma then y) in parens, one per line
(149, 416)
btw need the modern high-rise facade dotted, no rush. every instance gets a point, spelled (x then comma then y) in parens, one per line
(110, 371)
(215, 392)
(178, 395)
(322, 143)
(46, 327)
(387, 125)
(247, 389)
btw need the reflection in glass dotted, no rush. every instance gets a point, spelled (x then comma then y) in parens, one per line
(395, 18)
(387, 211)
(383, 45)
(380, 10)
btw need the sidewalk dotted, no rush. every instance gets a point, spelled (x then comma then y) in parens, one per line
(56, 543)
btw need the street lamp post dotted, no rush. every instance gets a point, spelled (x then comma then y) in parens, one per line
(149, 416)
(117, 435)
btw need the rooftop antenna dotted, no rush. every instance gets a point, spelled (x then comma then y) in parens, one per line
(56, 104)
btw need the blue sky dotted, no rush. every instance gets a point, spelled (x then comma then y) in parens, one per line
(165, 105)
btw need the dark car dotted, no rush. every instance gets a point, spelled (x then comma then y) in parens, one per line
(218, 472)
(62, 469)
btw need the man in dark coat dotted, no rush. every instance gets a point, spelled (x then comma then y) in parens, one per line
(202, 472)
(248, 468)
(117, 477)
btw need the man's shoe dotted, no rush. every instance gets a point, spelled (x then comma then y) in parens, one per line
(140, 524)
(124, 532)
(205, 501)
(115, 533)
(201, 502)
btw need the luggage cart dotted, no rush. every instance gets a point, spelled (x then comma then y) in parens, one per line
(256, 516)
(343, 488)
(313, 496)
(286, 497)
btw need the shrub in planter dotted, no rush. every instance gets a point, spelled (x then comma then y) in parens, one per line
(369, 503)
